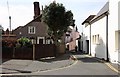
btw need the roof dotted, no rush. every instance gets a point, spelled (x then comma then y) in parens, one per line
(88, 19)
(18, 27)
(36, 19)
(104, 10)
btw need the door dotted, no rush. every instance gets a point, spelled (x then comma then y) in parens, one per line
(87, 41)
(79, 46)
(40, 41)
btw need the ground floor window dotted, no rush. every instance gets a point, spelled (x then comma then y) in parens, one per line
(117, 40)
(49, 41)
(95, 39)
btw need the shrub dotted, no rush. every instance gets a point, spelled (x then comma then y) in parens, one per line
(24, 42)
(8, 43)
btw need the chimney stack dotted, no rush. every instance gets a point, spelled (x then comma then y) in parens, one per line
(36, 9)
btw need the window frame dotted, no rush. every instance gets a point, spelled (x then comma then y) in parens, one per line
(31, 30)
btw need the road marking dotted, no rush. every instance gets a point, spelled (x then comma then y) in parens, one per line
(108, 64)
(44, 70)
(111, 67)
(60, 68)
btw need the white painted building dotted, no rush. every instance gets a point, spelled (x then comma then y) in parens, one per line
(103, 32)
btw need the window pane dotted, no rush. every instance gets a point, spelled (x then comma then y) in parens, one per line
(93, 39)
(116, 40)
(31, 30)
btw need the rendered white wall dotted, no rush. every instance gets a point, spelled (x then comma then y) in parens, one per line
(119, 15)
(86, 36)
(113, 26)
(99, 27)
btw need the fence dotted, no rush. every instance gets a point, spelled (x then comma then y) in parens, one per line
(41, 51)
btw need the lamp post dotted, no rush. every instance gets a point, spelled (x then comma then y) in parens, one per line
(33, 42)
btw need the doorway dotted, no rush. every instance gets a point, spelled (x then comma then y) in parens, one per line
(87, 46)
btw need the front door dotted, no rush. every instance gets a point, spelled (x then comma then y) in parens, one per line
(79, 46)
(87, 41)
(40, 41)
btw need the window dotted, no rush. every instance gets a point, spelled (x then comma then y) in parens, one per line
(31, 30)
(20, 33)
(117, 40)
(95, 39)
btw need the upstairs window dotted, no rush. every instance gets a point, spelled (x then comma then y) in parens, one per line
(31, 30)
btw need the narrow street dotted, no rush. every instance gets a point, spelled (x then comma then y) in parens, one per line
(84, 66)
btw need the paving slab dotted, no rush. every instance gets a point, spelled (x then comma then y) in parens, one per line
(28, 66)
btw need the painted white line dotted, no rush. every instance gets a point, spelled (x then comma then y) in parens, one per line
(60, 68)
(45, 70)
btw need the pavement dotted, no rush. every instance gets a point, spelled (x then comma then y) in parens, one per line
(113, 66)
(15, 66)
(88, 66)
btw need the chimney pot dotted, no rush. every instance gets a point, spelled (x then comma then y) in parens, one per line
(36, 9)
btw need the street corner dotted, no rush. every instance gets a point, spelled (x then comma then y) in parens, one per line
(72, 57)
(28, 66)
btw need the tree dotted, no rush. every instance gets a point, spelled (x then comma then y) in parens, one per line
(57, 19)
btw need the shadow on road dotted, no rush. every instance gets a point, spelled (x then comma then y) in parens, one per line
(89, 60)
(60, 58)
(82, 57)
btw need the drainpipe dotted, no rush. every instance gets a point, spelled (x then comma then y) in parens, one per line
(107, 56)
(90, 39)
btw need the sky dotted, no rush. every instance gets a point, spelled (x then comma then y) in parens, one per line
(22, 11)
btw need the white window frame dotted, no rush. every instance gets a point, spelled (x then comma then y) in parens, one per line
(30, 28)
(38, 38)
